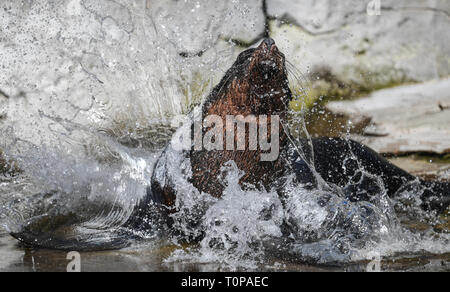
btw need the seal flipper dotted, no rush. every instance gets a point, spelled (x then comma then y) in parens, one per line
(151, 214)
(71, 233)
(89, 243)
(339, 161)
(153, 211)
(59, 232)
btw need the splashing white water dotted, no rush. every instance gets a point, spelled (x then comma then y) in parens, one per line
(245, 228)
(81, 76)
(105, 65)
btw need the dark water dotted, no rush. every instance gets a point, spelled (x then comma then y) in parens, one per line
(151, 259)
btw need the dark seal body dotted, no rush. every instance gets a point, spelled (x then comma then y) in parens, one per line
(257, 84)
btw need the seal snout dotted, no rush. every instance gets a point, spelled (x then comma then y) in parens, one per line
(269, 42)
(267, 61)
(268, 47)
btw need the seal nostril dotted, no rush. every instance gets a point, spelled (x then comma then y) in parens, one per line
(269, 42)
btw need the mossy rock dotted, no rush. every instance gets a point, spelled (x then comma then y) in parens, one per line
(322, 86)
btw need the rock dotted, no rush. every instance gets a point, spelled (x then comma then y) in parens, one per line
(315, 16)
(7, 167)
(195, 26)
(112, 64)
(133, 62)
(408, 41)
(430, 168)
(3, 100)
(405, 119)
(3, 94)
(245, 21)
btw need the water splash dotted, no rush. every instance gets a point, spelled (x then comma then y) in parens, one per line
(117, 66)
(83, 78)
(245, 229)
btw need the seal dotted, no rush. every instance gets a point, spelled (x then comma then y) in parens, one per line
(255, 93)
(257, 84)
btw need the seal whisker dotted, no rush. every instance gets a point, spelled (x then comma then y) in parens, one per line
(292, 68)
(301, 83)
(297, 74)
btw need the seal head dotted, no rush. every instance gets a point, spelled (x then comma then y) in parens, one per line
(255, 86)
(257, 83)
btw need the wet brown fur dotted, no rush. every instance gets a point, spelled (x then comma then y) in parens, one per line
(248, 88)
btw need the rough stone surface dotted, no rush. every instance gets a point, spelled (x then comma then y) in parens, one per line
(196, 25)
(112, 64)
(409, 40)
(421, 167)
(404, 119)
(144, 50)
(121, 65)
